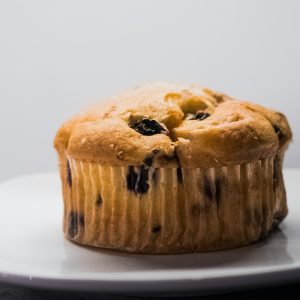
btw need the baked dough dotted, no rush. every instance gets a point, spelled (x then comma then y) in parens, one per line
(171, 169)
(235, 132)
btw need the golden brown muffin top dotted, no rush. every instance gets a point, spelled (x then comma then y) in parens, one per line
(164, 125)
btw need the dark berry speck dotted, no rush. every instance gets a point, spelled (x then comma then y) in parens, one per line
(99, 200)
(179, 175)
(75, 220)
(207, 189)
(143, 186)
(148, 127)
(81, 219)
(156, 228)
(200, 115)
(131, 178)
(138, 182)
(278, 132)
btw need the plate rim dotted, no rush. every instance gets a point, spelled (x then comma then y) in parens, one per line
(127, 281)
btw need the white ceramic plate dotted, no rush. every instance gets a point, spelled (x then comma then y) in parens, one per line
(34, 252)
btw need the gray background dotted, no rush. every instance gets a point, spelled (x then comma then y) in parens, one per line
(58, 56)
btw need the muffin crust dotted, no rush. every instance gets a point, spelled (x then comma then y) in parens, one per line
(201, 128)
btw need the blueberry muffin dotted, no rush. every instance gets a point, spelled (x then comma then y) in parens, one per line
(171, 169)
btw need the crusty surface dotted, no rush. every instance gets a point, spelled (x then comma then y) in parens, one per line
(234, 132)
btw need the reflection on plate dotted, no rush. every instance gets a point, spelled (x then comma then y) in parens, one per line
(34, 252)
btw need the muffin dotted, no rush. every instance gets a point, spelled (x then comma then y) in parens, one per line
(171, 169)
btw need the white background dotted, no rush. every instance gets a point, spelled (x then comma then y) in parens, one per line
(58, 56)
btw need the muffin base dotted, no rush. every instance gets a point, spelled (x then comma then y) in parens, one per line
(171, 210)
